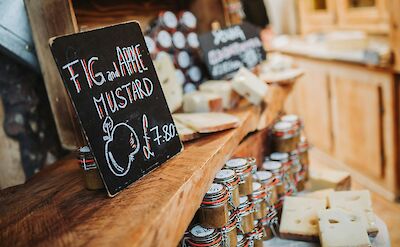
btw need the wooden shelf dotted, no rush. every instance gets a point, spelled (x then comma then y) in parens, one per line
(54, 208)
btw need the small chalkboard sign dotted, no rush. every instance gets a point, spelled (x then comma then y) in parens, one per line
(226, 50)
(114, 88)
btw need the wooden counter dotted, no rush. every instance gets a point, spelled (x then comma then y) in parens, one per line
(54, 208)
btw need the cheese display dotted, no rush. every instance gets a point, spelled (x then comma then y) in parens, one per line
(224, 89)
(207, 122)
(357, 202)
(202, 102)
(166, 74)
(300, 218)
(324, 178)
(249, 86)
(340, 228)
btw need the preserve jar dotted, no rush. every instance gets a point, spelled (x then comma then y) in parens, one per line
(243, 170)
(253, 163)
(91, 173)
(246, 217)
(204, 237)
(283, 137)
(242, 241)
(163, 40)
(258, 198)
(286, 163)
(187, 21)
(229, 232)
(229, 178)
(267, 225)
(256, 236)
(303, 155)
(194, 74)
(276, 169)
(296, 123)
(213, 211)
(193, 41)
(182, 59)
(269, 182)
(294, 172)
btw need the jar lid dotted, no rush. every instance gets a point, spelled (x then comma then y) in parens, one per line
(180, 77)
(215, 188)
(189, 20)
(256, 186)
(169, 19)
(238, 163)
(189, 87)
(258, 192)
(200, 235)
(263, 176)
(193, 40)
(243, 199)
(164, 39)
(225, 174)
(194, 74)
(227, 177)
(282, 126)
(84, 149)
(183, 59)
(201, 232)
(272, 165)
(151, 45)
(290, 118)
(215, 196)
(279, 156)
(178, 39)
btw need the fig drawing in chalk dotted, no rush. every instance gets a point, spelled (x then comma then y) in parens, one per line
(120, 137)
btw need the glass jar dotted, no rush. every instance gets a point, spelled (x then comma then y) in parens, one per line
(269, 182)
(276, 169)
(283, 137)
(91, 173)
(193, 41)
(187, 21)
(258, 198)
(246, 216)
(303, 154)
(182, 59)
(296, 123)
(213, 211)
(242, 241)
(294, 172)
(204, 237)
(231, 181)
(286, 163)
(257, 235)
(229, 232)
(243, 170)
(194, 74)
(267, 224)
(179, 40)
(163, 40)
(253, 163)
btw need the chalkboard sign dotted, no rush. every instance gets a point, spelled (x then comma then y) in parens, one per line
(226, 50)
(114, 88)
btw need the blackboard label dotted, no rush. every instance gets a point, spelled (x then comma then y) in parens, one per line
(226, 50)
(114, 88)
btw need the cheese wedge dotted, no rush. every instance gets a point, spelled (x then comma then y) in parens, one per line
(300, 218)
(207, 122)
(356, 202)
(340, 228)
(169, 83)
(185, 133)
(224, 89)
(249, 86)
(324, 178)
(320, 194)
(202, 102)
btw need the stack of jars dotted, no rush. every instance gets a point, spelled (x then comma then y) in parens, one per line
(90, 171)
(289, 160)
(237, 210)
(176, 36)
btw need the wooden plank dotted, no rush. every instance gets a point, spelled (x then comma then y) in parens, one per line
(54, 209)
(49, 18)
(395, 32)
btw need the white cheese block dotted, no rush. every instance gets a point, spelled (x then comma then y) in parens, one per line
(324, 178)
(224, 89)
(166, 74)
(202, 102)
(340, 228)
(249, 86)
(357, 202)
(320, 194)
(300, 218)
(207, 122)
(185, 133)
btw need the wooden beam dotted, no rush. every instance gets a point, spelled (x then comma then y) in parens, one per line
(49, 18)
